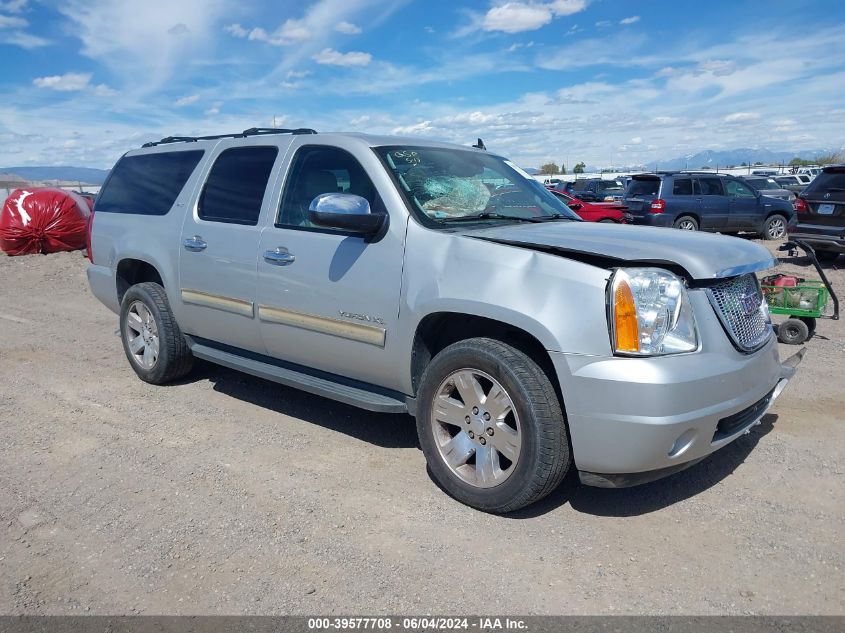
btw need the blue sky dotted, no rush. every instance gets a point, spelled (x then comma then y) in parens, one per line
(567, 80)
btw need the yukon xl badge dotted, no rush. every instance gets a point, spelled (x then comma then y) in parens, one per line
(750, 303)
(362, 317)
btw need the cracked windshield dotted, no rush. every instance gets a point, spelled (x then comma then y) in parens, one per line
(455, 185)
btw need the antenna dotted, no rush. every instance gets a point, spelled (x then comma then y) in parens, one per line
(480, 144)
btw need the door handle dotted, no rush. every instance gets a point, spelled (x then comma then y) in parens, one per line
(279, 257)
(194, 244)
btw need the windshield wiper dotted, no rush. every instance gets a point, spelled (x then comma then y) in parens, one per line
(488, 215)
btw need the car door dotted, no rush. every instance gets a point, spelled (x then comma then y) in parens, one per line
(329, 300)
(715, 208)
(219, 245)
(745, 208)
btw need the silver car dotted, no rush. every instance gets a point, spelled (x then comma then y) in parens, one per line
(407, 276)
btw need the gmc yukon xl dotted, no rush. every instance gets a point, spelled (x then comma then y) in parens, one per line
(406, 276)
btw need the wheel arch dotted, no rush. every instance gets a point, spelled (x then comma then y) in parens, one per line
(438, 330)
(130, 271)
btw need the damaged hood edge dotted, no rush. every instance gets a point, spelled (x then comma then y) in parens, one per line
(700, 256)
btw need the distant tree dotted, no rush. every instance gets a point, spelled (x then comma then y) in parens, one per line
(580, 168)
(562, 168)
(549, 169)
(744, 164)
(730, 167)
(826, 159)
(757, 163)
(706, 167)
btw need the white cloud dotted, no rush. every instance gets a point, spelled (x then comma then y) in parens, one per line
(24, 40)
(568, 7)
(348, 28)
(236, 30)
(297, 74)
(637, 140)
(102, 90)
(144, 42)
(630, 20)
(13, 6)
(603, 24)
(515, 17)
(69, 82)
(331, 57)
(12, 22)
(185, 101)
(742, 117)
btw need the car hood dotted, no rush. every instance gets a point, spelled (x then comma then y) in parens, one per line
(701, 255)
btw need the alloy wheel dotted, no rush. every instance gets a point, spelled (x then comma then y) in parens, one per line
(141, 334)
(476, 428)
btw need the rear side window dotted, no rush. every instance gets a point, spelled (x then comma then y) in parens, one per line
(832, 181)
(711, 186)
(147, 184)
(682, 187)
(643, 187)
(235, 187)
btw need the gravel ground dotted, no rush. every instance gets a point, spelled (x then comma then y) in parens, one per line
(226, 494)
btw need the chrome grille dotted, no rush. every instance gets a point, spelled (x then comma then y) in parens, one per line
(742, 311)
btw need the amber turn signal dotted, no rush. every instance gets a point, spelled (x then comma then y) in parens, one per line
(626, 330)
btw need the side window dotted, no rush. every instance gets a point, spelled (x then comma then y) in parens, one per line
(235, 187)
(317, 170)
(147, 184)
(682, 187)
(711, 186)
(736, 188)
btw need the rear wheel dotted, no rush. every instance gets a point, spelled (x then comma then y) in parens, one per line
(491, 426)
(774, 228)
(607, 221)
(810, 322)
(151, 338)
(793, 331)
(686, 223)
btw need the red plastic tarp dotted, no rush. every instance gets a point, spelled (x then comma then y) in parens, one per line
(43, 220)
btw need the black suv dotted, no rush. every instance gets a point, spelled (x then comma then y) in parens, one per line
(708, 202)
(821, 214)
(598, 190)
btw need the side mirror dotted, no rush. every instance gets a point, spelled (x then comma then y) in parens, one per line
(346, 212)
(575, 206)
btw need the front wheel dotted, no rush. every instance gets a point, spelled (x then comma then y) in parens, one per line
(686, 223)
(774, 228)
(491, 426)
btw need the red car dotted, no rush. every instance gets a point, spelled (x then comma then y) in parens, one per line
(596, 211)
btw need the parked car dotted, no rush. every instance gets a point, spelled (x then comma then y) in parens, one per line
(794, 182)
(598, 190)
(767, 186)
(812, 172)
(821, 214)
(387, 274)
(596, 211)
(764, 172)
(709, 202)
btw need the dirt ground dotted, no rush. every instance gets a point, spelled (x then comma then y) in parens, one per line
(226, 494)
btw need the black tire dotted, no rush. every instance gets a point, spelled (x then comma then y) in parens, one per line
(827, 256)
(774, 228)
(793, 331)
(687, 223)
(174, 357)
(607, 221)
(544, 455)
(810, 322)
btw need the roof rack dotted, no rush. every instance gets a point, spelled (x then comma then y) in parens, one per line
(253, 131)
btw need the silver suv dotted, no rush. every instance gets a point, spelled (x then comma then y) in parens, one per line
(402, 275)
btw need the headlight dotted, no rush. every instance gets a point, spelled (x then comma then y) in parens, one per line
(650, 313)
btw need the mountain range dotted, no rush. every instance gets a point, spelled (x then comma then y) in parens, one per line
(735, 158)
(84, 175)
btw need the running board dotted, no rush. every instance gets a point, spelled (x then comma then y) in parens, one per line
(325, 387)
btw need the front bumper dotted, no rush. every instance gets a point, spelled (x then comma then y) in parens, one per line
(633, 420)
